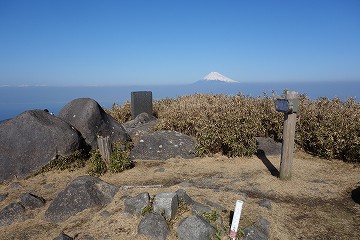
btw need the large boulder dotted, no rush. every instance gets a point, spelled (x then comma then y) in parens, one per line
(31, 140)
(163, 145)
(140, 126)
(87, 116)
(82, 193)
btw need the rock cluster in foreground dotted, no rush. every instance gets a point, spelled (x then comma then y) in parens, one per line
(87, 192)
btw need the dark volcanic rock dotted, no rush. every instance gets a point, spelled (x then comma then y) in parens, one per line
(195, 228)
(153, 225)
(355, 195)
(140, 126)
(265, 203)
(3, 196)
(87, 116)
(31, 201)
(63, 236)
(184, 197)
(82, 193)
(12, 212)
(31, 140)
(163, 145)
(258, 231)
(135, 205)
(268, 146)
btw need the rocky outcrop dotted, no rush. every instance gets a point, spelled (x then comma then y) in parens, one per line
(164, 209)
(89, 118)
(31, 140)
(82, 193)
(164, 145)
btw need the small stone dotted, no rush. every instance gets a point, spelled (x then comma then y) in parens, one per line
(199, 208)
(265, 203)
(153, 225)
(135, 205)
(15, 185)
(105, 214)
(185, 184)
(159, 170)
(11, 213)
(31, 201)
(63, 236)
(183, 196)
(195, 227)
(3, 196)
(258, 231)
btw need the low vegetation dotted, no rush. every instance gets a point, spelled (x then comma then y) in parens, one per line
(329, 128)
(72, 161)
(119, 160)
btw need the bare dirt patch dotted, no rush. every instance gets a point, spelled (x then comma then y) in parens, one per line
(315, 204)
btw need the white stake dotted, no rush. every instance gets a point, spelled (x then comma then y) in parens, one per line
(236, 219)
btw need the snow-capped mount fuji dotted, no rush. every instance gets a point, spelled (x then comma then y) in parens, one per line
(215, 76)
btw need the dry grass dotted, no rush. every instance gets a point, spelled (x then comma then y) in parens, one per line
(329, 128)
(314, 204)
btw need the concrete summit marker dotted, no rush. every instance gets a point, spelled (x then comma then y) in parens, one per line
(141, 102)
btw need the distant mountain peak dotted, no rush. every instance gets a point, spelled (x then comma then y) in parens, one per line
(215, 76)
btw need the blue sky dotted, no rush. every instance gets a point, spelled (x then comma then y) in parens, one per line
(130, 42)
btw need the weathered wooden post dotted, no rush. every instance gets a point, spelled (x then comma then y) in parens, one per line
(141, 102)
(289, 106)
(104, 148)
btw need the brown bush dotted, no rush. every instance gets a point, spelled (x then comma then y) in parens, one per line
(220, 123)
(229, 124)
(330, 128)
(122, 113)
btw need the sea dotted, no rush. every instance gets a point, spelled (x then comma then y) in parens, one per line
(15, 100)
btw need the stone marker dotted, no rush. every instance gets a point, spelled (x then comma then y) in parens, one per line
(166, 204)
(141, 102)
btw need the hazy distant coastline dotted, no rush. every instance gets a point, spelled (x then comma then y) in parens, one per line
(14, 100)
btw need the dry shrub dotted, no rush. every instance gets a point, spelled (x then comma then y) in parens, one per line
(229, 124)
(220, 123)
(330, 128)
(122, 113)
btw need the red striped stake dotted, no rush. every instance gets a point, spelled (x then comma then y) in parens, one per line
(236, 219)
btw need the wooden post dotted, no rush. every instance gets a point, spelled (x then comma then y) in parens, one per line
(105, 148)
(287, 150)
